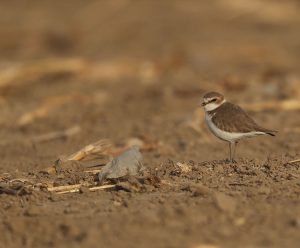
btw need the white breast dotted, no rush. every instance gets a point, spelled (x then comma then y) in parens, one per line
(227, 136)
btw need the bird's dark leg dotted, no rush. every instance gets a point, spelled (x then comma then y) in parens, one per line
(234, 144)
(232, 151)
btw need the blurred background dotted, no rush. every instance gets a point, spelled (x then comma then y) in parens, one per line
(145, 64)
(135, 71)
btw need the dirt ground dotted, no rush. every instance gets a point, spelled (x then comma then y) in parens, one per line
(135, 72)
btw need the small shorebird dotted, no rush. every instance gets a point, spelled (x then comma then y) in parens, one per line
(229, 122)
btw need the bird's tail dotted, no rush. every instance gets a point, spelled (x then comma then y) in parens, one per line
(268, 131)
(273, 133)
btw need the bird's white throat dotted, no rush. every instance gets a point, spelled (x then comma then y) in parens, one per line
(212, 106)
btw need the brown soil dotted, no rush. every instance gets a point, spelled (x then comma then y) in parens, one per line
(127, 70)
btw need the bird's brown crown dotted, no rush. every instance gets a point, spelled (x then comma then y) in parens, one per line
(212, 97)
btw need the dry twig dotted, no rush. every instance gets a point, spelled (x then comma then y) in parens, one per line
(20, 74)
(94, 172)
(99, 148)
(64, 188)
(57, 135)
(15, 76)
(48, 105)
(76, 188)
(294, 161)
(273, 105)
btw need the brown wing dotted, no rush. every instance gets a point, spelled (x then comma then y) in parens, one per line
(232, 118)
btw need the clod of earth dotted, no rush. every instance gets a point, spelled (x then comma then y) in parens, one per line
(225, 202)
(198, 189)
(15, 188)
(129, 163)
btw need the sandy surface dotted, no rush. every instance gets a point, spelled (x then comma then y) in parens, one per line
(135, 71)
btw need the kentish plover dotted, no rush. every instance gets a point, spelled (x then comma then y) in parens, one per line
(229, 122)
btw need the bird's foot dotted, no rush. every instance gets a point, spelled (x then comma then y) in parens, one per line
(230, 161)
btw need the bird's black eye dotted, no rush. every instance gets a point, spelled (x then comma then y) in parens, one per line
(213, 100)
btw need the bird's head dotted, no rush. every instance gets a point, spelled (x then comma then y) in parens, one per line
(212, 100)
